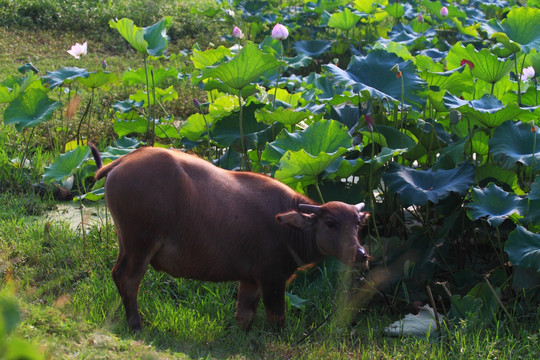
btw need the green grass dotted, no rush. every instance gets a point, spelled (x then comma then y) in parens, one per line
(71, 309)
(61, 279)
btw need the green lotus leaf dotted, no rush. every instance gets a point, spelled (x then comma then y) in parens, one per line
(520, 30)
(369, 6)
(344, 20)
(346, 114)
(209, 11)
(210, 57)
(430, 134)
(533, 214)
(30, 109)
(504, 90)
(486, 66)
(161, 95)
(66, 164)
(384, 156)
(298, 61)
(496, 173)
(312, 48)
(489, 110)
(471, 30)
(466, 307)
(523, 248)
(100, 79)
(11, 87)
(530, 97)
(515, 142)
(64, 76)
(283, 96)
(299, 169)
(139, 125)
(151, 40)
(138, 76)
(322, 87)
(390, 137)
(196, 126)
(226, 131)
(126, 106)
(223, 105)
(456, 81)
(131, 32)
(495, 204)
(27, 67)
(342, 168)
(535, 189)
(479, 143)
(282, 115)
(244, 68)
(450, 156)
(396, 48)
(8, 94)
(395, 10)
(94, 195)
(322, 136)
(417, 187)
(371, 76)
(156, 36)
(435, 7)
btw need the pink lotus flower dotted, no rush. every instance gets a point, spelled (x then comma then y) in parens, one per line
(280, 32)
(237, 33)
(78, 50)
(528, 73)
(444, 11)
(420, 18)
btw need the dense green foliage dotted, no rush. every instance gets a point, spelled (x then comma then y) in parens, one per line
(427, 113)
(91, 17)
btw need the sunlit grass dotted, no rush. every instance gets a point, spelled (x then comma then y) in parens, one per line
(71, 308)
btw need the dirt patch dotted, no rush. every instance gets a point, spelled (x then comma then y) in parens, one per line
(90, 215)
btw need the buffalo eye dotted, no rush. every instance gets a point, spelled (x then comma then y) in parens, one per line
(331, 224)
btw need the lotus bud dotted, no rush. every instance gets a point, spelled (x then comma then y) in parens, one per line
(280, 32)
(369, 122)
(470, 63)
(444, 11)
(420, 19)
(237, 33)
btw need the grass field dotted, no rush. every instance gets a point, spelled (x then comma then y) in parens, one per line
(69, 307)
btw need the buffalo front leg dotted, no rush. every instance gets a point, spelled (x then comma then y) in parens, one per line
(274, 303)
(246, 303)
(127, 274)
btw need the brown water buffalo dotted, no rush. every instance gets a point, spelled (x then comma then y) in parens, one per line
(191, 219)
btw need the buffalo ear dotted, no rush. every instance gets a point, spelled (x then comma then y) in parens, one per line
(295, 219)
(364, 217)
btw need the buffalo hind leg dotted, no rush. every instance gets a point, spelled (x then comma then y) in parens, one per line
(274, 303)
(246, 303)
(127, 274)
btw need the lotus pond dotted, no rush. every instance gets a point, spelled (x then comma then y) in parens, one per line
(427, 111)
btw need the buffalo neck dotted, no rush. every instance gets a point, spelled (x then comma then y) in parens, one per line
(302, 245)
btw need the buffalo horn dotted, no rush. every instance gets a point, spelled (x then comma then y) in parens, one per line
(315, 209)
(360, 206)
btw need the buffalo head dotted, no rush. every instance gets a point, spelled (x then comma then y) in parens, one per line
(335, 227)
